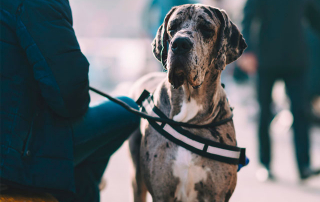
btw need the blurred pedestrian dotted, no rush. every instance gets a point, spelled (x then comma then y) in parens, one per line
(281, 53)
(51, 141)
(313, 36)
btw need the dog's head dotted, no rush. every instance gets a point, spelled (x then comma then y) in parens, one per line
(193, 39)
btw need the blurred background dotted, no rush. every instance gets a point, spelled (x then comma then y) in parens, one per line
(116, 38)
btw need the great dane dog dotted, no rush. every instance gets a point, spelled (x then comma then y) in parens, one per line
(194, 43)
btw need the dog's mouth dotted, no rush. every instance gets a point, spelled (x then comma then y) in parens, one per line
(181, 71)
(179, 80)
(178, 76)
(197, 86)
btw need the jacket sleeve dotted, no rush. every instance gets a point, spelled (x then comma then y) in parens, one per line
(61, 70)
(251, 12)
(312, 13)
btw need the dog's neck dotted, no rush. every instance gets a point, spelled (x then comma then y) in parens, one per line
(203, 105)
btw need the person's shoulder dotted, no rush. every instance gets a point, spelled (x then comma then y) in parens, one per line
(48, 10)
(58, 5)
(11, 6)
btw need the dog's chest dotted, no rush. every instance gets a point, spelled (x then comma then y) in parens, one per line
(169, 160)
(187, 169)
(188, 110)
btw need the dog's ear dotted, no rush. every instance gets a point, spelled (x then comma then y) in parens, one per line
(159, 44)
(230, 42)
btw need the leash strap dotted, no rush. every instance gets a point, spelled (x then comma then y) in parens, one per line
(241, 161)
(146, 116)
(178, 135)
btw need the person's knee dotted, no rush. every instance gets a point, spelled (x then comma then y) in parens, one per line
(129, 102)
(134, 119)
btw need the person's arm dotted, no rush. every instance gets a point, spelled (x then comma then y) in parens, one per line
(312, 13)
(248, 62)
(251, 11)
(45, 32)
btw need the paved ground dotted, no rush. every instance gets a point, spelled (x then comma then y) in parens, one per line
(287, 186)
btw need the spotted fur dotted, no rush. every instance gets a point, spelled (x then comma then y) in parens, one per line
(189, 92)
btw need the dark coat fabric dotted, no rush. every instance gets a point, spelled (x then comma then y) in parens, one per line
(281, 40)
(44, 83)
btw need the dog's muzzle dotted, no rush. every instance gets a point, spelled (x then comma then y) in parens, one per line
(180, 47)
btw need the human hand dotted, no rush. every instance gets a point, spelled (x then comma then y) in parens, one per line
(248, 62)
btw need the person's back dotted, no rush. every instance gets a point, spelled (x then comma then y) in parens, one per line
(281, 40)
(42, 84)
(48, 130)
(282, 53)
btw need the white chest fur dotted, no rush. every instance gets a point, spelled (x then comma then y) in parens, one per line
(189, 109)
(189, 174)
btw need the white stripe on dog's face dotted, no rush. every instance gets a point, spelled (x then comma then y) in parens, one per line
(189, 174)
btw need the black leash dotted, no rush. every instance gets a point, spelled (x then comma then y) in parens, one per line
(151, 118)
(173, 132)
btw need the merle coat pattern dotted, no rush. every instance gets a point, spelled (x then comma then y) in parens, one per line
(189, 92)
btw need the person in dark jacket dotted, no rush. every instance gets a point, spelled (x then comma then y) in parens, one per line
(281, 53)
(314, 72)
(51, 140)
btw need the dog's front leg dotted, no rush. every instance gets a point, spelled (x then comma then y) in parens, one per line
(138, 185)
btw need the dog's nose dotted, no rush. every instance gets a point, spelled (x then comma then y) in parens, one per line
(181, 45)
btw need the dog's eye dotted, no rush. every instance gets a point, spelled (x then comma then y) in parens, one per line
(206, 31)
(172, 29)
(171, 32)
